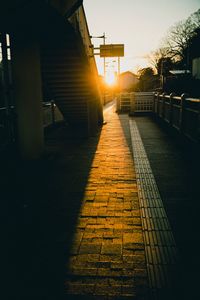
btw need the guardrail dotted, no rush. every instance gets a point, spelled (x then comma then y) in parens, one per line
(51, 114)
(8, 119)
(7, 128)
(181, 113)
(135, 102)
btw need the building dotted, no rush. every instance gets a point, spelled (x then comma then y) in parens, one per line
(48, 43)
(128, 80)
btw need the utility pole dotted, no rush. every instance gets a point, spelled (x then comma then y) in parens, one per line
(109, 50)
(119, 73)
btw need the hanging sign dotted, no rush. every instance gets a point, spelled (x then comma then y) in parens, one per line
(112, 50)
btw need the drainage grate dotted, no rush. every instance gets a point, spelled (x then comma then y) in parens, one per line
(160, 246)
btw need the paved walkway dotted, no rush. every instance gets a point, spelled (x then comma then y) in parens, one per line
(176, 168)
(80, 224)
(107, 254)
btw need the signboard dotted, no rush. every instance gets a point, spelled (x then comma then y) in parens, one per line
(112, 50)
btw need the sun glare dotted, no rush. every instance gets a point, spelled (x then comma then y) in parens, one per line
(110, 78)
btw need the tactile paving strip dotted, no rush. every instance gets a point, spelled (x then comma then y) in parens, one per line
(160, 246)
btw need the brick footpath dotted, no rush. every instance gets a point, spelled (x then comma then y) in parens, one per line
(107, 259)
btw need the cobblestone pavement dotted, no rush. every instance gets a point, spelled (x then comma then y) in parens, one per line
(107, 259)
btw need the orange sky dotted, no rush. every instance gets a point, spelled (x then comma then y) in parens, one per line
(140, 25)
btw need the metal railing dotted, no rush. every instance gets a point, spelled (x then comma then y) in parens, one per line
(181, 113)
(135, 102)
(8, 121)
(7, 125)
(51, 114)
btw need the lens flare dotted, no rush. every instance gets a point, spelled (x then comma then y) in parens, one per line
(110, 78)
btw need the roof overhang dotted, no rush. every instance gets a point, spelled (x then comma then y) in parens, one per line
(32, 13)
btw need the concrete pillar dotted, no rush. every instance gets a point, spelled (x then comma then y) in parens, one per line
(28, 97)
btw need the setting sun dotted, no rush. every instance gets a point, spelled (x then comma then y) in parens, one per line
(110, 78)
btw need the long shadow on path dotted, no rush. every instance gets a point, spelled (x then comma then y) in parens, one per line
(41, 201)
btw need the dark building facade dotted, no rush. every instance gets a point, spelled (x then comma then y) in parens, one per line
(47, 55)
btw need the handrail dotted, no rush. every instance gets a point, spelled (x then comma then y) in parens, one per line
(193, 100)
(181, 113)
(178, 98)
(51, 114)
(5, 108)
(49, 103)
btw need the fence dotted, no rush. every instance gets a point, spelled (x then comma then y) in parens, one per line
(8, 121)
(51, 114)
(7, 125)
(181, 113)
(135, 102)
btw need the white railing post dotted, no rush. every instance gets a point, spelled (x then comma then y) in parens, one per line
(52, 112)
(132, 103)
(182, 113)
(171, 108)
(163, 106)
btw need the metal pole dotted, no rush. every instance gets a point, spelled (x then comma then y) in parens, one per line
(118, 65)
(104, 71)
(52, 112)
(6, 86)
(119, 73)
(5, 71)
(104, 59)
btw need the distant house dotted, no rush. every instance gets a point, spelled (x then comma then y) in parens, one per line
(128, 80)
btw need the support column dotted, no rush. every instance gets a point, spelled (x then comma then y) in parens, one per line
(28, 97)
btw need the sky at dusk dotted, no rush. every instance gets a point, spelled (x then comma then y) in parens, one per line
(139, 25)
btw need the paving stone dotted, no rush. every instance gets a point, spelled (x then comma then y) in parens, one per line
(135, 237)
(141, 273)
(112, 249)
(117, 265)
(80, 289)
(107, 290)
(108, 260)
(128, 290)
(83, 271)
(90, 248)
(108, 272)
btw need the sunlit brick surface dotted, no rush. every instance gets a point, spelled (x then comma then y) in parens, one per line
(107, 259)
